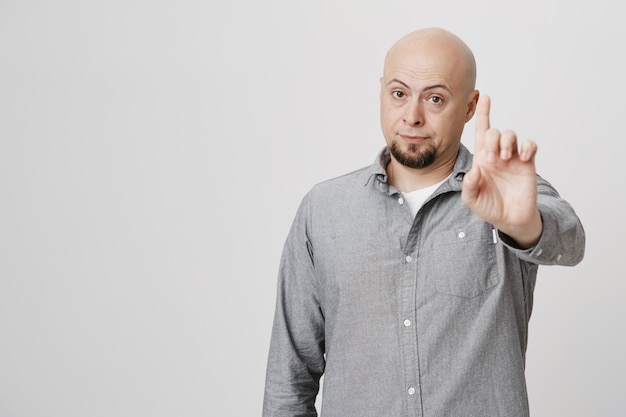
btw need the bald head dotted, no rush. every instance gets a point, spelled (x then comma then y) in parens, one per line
(427, 95)
(435, 50)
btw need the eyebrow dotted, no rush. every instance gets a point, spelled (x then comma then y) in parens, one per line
(430, 87)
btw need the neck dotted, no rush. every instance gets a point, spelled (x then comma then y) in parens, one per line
(405, 179)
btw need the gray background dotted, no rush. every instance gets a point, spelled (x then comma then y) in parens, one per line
(153, 154)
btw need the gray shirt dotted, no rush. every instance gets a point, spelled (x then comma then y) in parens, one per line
(424, 316)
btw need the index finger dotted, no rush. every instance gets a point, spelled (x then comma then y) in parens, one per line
(481, 124)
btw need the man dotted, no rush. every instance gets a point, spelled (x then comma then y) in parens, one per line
(408, 284)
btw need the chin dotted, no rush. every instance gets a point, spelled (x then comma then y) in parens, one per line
(413, 156)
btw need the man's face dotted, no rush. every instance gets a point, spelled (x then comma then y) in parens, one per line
(425, 102)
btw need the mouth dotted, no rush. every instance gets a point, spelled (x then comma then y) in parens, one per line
(412, 138)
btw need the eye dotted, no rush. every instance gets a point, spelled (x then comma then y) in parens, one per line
(397, 94)
(435, 99)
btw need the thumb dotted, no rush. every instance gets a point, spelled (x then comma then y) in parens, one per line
(469, 192)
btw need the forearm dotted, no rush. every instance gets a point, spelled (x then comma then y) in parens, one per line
(527, 235)
(295, 362)
(562, 239)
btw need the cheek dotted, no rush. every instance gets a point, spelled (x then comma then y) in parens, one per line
(449, 123)
(384, 117)
(388, 125)
(389, 116)
(450, 132)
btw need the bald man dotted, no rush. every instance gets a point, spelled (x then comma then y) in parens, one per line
(409, 284)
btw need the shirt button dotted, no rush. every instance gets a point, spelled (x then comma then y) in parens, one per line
(411, 391)
(408, 258)
(407, 323)
(461, 235)
(401, 200)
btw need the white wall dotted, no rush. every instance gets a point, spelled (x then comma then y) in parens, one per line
(153, 154)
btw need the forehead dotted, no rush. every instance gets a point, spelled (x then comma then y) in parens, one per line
(422, 63)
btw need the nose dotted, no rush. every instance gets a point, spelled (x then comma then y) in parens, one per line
(414, 114)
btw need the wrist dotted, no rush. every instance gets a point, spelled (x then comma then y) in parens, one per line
(527, 235)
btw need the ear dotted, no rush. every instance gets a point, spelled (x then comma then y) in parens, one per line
(471, 105)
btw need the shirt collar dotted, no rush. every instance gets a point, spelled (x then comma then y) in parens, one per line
(378, 173)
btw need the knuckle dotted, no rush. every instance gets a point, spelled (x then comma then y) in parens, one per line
(492, 135)
(509, 135)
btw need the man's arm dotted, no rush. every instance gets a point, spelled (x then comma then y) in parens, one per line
(296, 358)
(562, 241)
(504, 190)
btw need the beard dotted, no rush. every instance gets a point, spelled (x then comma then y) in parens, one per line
(413, 157)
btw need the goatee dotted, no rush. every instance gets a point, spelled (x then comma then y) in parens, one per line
(413, 157)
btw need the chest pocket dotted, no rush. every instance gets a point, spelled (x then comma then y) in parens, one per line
(464, 261)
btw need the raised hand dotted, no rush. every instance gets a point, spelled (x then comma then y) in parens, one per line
(501, 187)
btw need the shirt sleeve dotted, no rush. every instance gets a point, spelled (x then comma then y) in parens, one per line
(296, 357)
(562, 240)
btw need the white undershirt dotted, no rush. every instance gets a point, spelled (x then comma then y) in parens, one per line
(415, 199)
